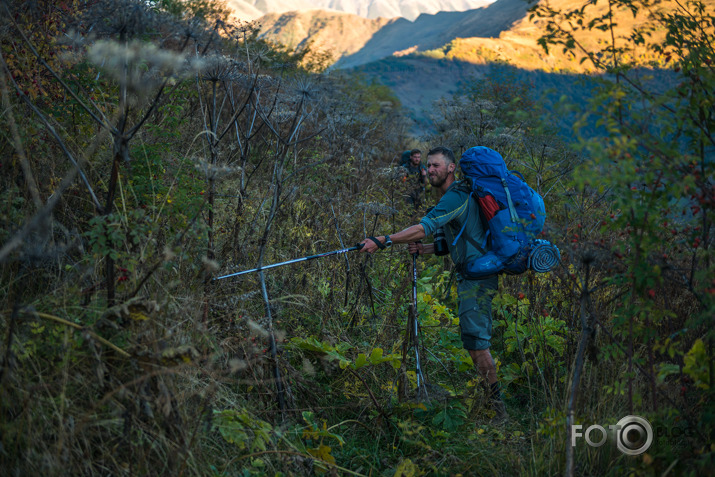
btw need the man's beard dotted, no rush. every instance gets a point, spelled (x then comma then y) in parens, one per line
(437, 180)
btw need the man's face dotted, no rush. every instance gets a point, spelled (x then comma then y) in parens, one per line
(416, 158)
(438, 169)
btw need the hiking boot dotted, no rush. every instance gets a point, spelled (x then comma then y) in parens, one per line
(500, 414)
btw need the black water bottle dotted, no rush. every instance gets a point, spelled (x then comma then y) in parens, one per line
(440, 243)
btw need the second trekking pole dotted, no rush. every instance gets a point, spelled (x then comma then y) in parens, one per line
(295, 260)
(414, 329)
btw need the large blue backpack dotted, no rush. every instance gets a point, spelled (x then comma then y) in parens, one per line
(513, 214)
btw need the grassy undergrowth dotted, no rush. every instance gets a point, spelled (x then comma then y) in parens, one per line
(126, 190)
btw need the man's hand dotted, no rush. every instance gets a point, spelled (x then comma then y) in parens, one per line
(415, 248)
(420, 248)
(369, 246)
(412, 233)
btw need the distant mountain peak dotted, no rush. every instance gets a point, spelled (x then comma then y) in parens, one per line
(353, 40)
(410, 9)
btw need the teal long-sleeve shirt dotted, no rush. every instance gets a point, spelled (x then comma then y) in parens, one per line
(453, 209)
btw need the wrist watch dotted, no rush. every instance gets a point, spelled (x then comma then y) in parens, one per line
(388, 241)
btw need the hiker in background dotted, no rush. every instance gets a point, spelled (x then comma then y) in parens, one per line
(415, 167)
(417, 173)
(451, 214)
(405, 158)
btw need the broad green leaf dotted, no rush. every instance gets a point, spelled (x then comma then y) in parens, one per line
(360, 361)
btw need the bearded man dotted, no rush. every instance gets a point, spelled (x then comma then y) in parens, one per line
(455, 210)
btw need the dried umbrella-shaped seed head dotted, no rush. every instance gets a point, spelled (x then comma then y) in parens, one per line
(219, 68)
(210, 266)
(250, 81)
(234, 301)
(257, 329)
(504, 139)
(259, 54)
(305, 89)
(282, 115)
(241, 29)
(215, 171)
(146, 64)
(194, 29)
(392, 173)
(483, 104)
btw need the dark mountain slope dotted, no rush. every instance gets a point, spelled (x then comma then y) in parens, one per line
(434, 31)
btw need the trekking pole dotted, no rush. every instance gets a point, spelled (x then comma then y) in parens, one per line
(296, 260)
(421, 384)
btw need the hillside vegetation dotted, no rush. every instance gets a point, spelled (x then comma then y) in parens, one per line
(148, 151)
(520, 44)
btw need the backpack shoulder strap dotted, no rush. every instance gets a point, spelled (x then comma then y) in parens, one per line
(469, 238)
(512, 210)
(476, 244)
(465, 221)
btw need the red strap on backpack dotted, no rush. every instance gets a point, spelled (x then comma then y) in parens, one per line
(489, 206)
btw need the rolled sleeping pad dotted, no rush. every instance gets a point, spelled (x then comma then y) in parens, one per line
(544, 256)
